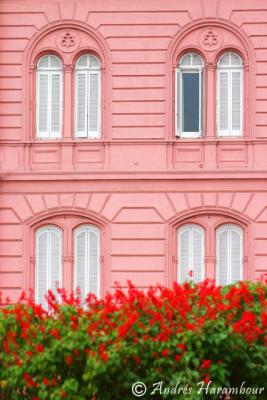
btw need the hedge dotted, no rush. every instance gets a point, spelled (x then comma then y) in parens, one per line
(191, 341)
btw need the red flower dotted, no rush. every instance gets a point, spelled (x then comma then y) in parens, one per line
(68, 360)
(29, 381)
(206, 364)
(181, 346)
(177, 357)
(54, 332)
(46, 381)
(54, 382)
(164, 353)
(101, 352)
(207, 378)
(40, 348)
(6, 346)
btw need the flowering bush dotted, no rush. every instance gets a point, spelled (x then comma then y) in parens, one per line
(182, 336)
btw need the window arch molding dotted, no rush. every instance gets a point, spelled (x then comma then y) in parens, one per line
(66, 220)
(186, 39)
(88, 39)
(210, 220)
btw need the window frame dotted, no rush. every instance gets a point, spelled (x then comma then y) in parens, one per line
(49, 71)
(88, 71)
(179, 71)
(230, 69)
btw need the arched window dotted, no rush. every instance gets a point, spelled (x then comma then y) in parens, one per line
(87, 260)
(229, 249)
(189, 96)
(49, 86)
(87, 97)
(191, 253)
(48, 271)
(230, 95)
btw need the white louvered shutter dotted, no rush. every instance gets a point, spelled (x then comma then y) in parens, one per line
(93, 262)
(48, 262)
(223, 102)
(55, 112)
(191, 253)
(236, 102)
(222, 257)
(197, 255)
(81, 263)
(184, 255)
(94, 104)
(229, 254)
(43, 104)
(87, 261)
(81, 104)
(49, 97)
(42, 267)
(236, 255)
(55, 262)
(88, 97)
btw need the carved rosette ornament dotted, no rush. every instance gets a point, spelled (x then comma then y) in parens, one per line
(210, 39)
(68, 41)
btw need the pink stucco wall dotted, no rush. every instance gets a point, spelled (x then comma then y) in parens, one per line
(138, 183)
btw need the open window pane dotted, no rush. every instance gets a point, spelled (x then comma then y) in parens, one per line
(189, 96)
(190, 102)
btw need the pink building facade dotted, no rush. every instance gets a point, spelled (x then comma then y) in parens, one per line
(133, 142)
